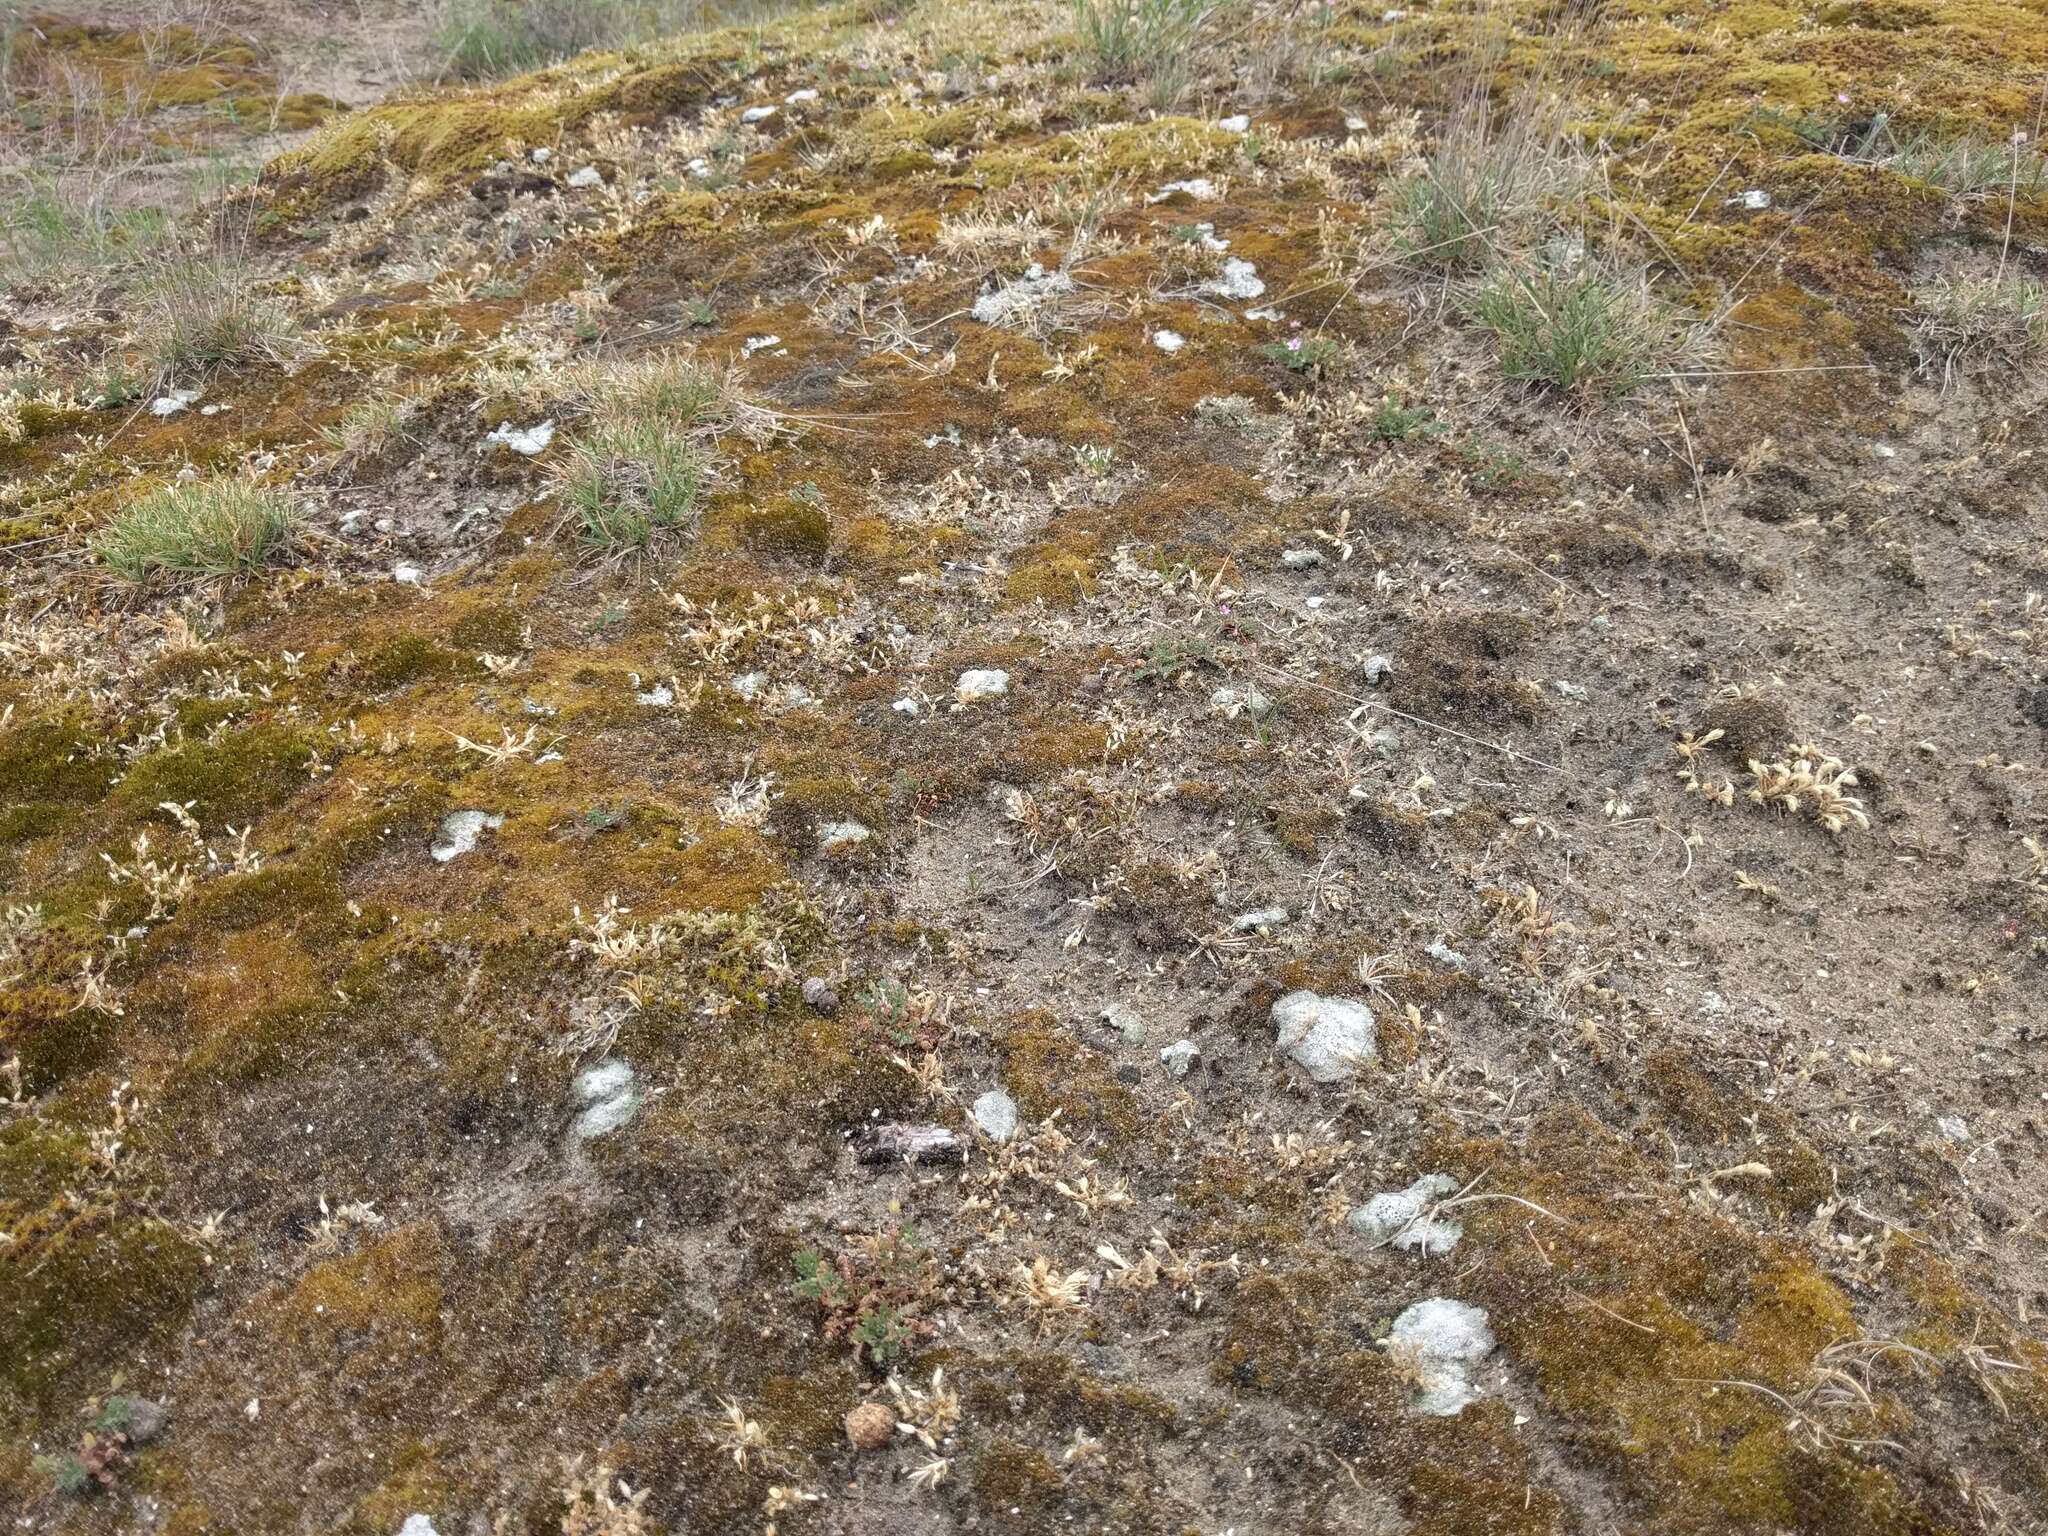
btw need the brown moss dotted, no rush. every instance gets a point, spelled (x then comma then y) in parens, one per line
(1633, 1319)
(392, 1287)
(1047, 1070)
(1451, 666)
(1015, 1485)
(728, 869)
(1704, 1109)
(786, 528)
(1752, 727)
(1058, 578)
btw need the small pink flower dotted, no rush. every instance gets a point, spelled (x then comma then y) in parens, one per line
(1294, 343)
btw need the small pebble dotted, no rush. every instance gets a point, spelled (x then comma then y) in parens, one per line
(1240, 280)
(1327, 1037)
(524, 440)
(834, 835)
(460, 831)
(612, 1097)
(980, 683)
(870, 1426)
(1201, 188)
(589, 176)
(1301, 559)
(1125, 1022)
(1395, 1218)
(1179, 1058)
(1248, 700)
(1377, 670)
(1443, 1340)
(819, 996)
(1169, 341)
(995, 1112)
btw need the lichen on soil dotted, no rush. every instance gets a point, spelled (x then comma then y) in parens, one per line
(1651, 763)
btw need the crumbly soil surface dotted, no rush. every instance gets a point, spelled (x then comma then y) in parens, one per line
(1744, 1110)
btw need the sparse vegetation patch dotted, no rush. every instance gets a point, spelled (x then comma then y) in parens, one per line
(224, 527)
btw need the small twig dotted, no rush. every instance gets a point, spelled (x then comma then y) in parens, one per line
(1352, 698)
(1625, 1322)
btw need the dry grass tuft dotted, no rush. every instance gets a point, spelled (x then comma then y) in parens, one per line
(202, 311)
(1972, 324)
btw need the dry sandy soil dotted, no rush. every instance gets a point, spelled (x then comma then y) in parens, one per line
(1639, 763)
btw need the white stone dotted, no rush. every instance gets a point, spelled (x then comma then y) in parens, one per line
(1755, 199)
(1301, 559)
(526, 440)
(1201, 188)
(541, 155)
(589, 176)
(1326, 1036)
(1240, 280)
(841, 834)
(748, 685)
(1264, 917)
(172, 403)
(755, 344)
(757, 114)
(996, 1113)
(1169, 341)
(1179, 1058)
(1249, 700)
(981, 683)
(1241, 123)
(406, 575)
(611, 1095)
(606, 1080)
(460, 831)
(1013, 301)
(1443, 1340)
(1377, 670)
(798, 98)
(905, 707)
(1125, 1022)
(418, 1525)
(660, 696)
(1394, 1218)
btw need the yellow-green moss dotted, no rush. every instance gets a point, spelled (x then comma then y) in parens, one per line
(233, 778)
(81, 1292)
